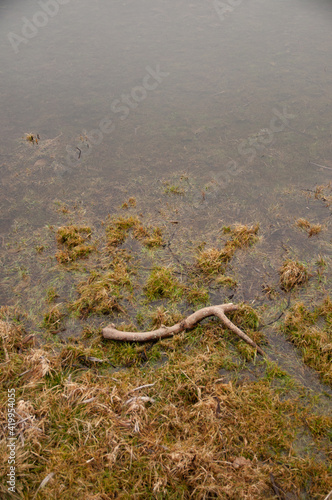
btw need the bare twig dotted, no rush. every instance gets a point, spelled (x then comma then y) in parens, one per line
(110, 332)
(320, 166)
(142, 387)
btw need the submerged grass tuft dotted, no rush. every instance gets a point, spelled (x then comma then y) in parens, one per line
(213, 261)
(311, 332)
(53, 319)
(150, 237)
(117, 230)
(73, 241)
(100, 294)
(311, 229)
(162, 284)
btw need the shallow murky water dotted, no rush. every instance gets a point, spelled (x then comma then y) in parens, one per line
(231, 103)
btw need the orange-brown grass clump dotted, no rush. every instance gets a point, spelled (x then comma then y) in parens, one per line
(117, 230)
(311, 229)
(130, 203)
(323, 193)
(311, 332)
(73, 239)
(173, 431)
(292, 273)
(150, 237)
(213, 261)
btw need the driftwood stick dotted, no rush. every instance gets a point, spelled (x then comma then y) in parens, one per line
(110, 332)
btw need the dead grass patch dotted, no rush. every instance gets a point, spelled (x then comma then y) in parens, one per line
(177, 431)
(292, 273)
(310, 229)
(73, 240)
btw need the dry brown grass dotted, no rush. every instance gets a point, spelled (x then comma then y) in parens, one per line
(292, 273)
(186, 434)
(72, 241)
(310, 229)
(213, 261)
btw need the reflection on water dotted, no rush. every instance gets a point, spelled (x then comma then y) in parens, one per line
(126, 94)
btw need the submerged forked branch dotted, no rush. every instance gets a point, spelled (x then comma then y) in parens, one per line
(110, 332)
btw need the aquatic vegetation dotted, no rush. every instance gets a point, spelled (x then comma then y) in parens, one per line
(197, 294)
(73, 240)
(241, 235)
(312, 336)
(34, 138)
(150, 237)
(51, 294)
(174, 189)
(117, 230)
(323, 193)
(53, 318)
(99, 294)
(226, 281)
(311, 229)
(213, 261)
(162, 284)
(130, 203)
(292, 273)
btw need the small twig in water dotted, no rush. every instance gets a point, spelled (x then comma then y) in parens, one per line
(320, 166)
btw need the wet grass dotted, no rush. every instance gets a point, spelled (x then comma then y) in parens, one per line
(118, 230)
(213, 420)
(311, 332)
(72, 241)
(53, 319)
(99, 294)
(162, 284)
(213, 261)
(187, 433)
